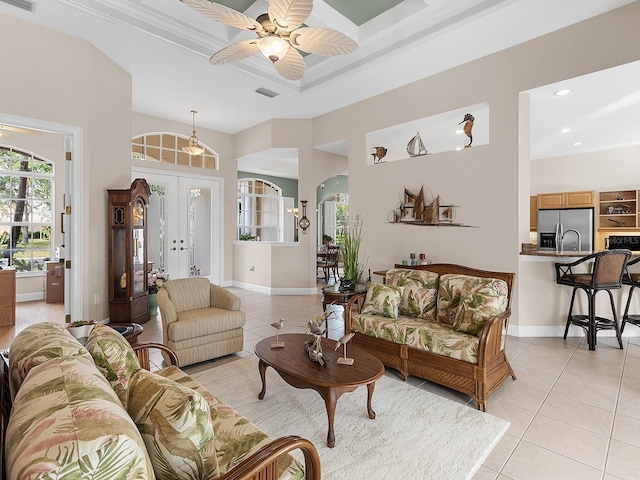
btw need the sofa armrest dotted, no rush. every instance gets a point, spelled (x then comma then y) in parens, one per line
(142, 352)
(263, 464)
(356, 302)
(223, 298)
(167, 310)
(490, 343)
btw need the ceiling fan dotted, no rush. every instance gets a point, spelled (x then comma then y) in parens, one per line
(281, 35)
(9, 128)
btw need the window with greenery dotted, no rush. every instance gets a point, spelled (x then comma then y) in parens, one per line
(335, 212)
(167, 148)
(26, 210)
(260, 210)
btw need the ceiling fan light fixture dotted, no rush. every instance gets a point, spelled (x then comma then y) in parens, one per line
(273, 47)
(194, 148)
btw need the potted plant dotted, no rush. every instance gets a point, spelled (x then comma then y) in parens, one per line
(81, 329)
(353, 268)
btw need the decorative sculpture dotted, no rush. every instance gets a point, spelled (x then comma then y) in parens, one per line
(379, 154)
(468, 125)
(278, 326)
(415, 147)
(344, 360)
(313, 343)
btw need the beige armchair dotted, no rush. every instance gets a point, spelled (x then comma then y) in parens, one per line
(200, 321)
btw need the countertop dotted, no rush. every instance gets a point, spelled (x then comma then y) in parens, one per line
(553, 253)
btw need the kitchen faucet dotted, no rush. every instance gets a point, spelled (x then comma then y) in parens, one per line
(579, 239)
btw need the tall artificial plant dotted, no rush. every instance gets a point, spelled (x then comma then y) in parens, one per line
(350, 251)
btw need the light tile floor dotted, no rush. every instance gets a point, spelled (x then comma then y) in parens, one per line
(574, 413)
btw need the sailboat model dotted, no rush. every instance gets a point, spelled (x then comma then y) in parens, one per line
(415, 147)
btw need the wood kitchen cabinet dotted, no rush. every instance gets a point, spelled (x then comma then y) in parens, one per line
(579, 199)
(533, 213)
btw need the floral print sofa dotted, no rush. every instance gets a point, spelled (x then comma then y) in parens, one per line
(442, 322)
(93, 412)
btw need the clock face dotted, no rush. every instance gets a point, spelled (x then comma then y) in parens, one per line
(304, 223)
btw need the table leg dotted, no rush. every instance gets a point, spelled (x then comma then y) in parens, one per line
(330, 401)
(370, 388)
(262, 367)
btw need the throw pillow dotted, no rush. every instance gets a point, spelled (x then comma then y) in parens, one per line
(175, 424)
(481, 299)
(114, 357)
(420, 291)
(449, 291)
(382, 300)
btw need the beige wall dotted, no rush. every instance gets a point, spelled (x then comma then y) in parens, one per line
(68, 81)
(222, 144)
(485, 181)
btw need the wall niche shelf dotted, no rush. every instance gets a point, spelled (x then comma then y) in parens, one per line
(437, 132)
(618, 210)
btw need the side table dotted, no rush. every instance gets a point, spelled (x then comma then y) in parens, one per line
(131, 331)
(333, 295)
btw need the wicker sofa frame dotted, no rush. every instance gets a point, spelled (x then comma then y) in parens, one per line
(476, 380)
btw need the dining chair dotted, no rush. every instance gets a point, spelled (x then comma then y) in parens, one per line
(633, 280)
(606, 274)
(329, 261)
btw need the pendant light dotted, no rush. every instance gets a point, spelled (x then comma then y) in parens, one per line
(193, 148)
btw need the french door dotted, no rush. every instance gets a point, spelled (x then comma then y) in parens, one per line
(185, 224)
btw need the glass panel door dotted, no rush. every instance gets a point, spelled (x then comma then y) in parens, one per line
(184, 225)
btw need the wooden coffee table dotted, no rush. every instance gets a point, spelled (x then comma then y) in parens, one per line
(331, 380)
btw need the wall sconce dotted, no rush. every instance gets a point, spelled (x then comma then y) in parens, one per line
(293, 211)
(304, 221)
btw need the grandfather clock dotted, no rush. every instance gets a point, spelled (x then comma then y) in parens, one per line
(128, 298)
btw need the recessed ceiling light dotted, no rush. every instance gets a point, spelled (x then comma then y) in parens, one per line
(564, 91)
(565, 130)
(575, 144)
(459, 131)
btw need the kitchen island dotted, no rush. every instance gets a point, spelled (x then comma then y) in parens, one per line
(543, 304)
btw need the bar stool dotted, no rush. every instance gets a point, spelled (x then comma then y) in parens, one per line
(607, 272)
(633, 280)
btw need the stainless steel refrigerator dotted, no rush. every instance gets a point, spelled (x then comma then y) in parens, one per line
(566, 230)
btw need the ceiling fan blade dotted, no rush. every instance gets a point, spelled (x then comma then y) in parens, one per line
(322, 41)
(291, 66)
(223, 14)
(28, 131)
(289, 14)
(235, 52)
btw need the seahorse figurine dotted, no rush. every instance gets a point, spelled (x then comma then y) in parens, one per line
(468, 119)
(379, 154)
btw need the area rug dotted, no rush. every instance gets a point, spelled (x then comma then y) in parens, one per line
(416, 434)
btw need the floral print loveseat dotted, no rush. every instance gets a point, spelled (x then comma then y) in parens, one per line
(442, 322)
(93, 412)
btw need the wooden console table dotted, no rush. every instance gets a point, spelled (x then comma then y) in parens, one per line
(7, 297)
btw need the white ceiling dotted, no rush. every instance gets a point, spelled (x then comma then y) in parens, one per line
(165, 46)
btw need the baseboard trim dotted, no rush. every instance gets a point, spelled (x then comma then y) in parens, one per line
(29, 297)
(276, 291)
(558, 331)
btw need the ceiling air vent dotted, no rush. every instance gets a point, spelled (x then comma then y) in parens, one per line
(27, 5)
(263, 91)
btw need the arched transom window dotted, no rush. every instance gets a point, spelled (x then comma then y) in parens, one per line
(167, 148)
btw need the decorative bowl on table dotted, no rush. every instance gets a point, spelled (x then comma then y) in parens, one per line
(123, 329)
